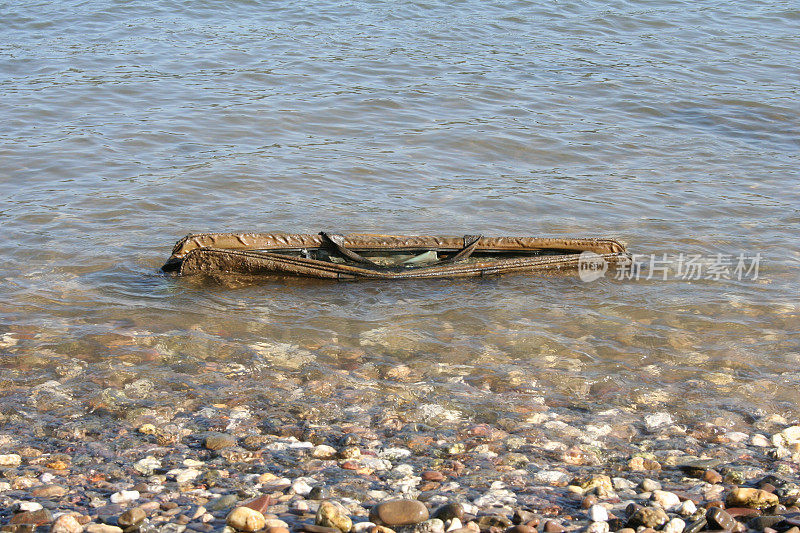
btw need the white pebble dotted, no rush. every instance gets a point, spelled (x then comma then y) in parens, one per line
(362, 527)
(657, 420)
(184, 475)
(550, 477)
(323, 451)
(47, 478)
(737, 436)
(29, 506)
(760, 440)
(301, 486)
(667, 500)
(620, 483)
(676, 525)
(598, 513)
(125, 496)
(147, 465)
(10, 459)
(687, 508)
(404, 470)
(598, 527)
(455, 523)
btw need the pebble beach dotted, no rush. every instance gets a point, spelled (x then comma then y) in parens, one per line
(243, 466)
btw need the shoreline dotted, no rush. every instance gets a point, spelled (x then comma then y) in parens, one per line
(550, 476)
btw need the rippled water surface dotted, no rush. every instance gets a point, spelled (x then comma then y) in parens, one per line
(674, 126)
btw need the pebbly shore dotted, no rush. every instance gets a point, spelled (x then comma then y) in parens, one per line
(227, 468)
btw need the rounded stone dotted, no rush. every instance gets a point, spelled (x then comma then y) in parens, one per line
(245, 519)
(10, 459)
(332, 514)
(400, 513)
(718, 518)
(449, 511)
(598, 527)
(50, 491)
(131, 517)
(676, 525)
(648, 517)
(753, 498)
(318, 493)
(667, 500)
(218, 441)
(125, 496)
(66, 523)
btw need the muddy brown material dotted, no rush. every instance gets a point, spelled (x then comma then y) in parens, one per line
(293, 254)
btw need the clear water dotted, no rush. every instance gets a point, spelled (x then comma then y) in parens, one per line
(674, 126)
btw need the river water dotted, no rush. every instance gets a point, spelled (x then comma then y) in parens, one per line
(674, 126)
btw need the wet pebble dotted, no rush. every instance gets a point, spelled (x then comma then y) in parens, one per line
(598, 513)
(333, 514)
(399, 513)
(245, 519)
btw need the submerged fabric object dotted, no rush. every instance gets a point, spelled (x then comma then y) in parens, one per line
(367, 256)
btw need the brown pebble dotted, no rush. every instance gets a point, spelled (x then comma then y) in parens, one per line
(794, 529)
(261, 504)
(40, 517)
(399, 513)
(632, 508)
(219, 441)
(131, 517)
(449, 511)
(552, 526)
(716, 517)
(533, 523)
(277, 529)
(769, 487)
(49, 491)
(522, 516)
(350, 465)
(432, 475)
(166, 506)
(715, 503)
(588, 501)
(712, 476)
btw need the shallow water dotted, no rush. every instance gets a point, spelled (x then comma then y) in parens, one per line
(671, 125)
